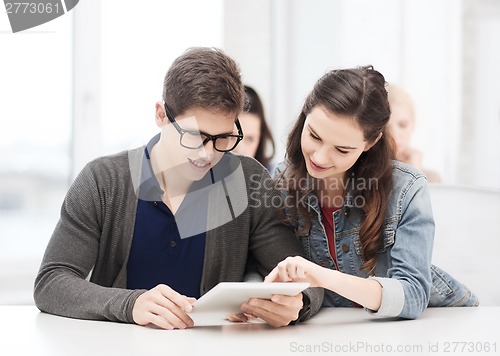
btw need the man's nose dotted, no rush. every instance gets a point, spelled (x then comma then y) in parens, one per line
(207, 150)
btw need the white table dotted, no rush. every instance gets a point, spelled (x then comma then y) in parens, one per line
(334, 331)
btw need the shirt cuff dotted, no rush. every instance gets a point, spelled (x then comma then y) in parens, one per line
(393, 297)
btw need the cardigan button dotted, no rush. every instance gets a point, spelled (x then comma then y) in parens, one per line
(173, 243)
(345, 247)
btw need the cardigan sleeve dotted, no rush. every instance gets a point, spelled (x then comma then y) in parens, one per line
(61, 286)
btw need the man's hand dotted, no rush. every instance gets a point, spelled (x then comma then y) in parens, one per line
(163, 307)
(279, 311)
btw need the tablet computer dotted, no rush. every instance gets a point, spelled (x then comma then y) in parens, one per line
(226, 297)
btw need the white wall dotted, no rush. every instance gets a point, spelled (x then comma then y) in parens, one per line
(487, 109)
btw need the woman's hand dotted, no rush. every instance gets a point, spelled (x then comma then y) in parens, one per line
(163, 307)
(364, 291)
(297, 269)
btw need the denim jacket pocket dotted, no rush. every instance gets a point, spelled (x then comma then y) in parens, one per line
(388, 241)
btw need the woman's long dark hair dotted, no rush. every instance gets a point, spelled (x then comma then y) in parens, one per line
(266, 148)
(358, 93)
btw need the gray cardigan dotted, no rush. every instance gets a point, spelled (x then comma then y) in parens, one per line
(83, 271)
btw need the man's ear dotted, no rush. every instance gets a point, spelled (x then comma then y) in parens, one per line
(160, 115)
(370, 145)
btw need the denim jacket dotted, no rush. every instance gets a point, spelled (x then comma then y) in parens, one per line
(409, 281)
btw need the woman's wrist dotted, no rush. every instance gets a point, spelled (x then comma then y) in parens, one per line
(327, 278)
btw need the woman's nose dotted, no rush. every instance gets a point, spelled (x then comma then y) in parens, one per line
(321, 156)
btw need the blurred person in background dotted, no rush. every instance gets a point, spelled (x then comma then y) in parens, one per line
(402, 125)
(258, 141)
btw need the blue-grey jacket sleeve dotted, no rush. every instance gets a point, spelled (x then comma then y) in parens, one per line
(406, 287)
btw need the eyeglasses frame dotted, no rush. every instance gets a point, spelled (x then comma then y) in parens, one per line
(208, 137)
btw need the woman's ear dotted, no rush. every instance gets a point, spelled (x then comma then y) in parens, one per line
(370, 145)
(160, 115)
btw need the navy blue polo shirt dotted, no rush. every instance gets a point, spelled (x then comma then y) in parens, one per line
(158, 253)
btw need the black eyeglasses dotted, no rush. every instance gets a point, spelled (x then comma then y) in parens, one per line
(195, 139)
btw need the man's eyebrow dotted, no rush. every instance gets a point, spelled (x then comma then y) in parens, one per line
(218, 135)
(202, 133)
(341, 147)
(207, 134)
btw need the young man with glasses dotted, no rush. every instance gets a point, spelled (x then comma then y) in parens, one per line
(143, 233)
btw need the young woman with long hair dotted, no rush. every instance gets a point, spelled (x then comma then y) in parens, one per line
(365, 219)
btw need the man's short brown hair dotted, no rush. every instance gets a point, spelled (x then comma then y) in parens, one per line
(204, 78)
